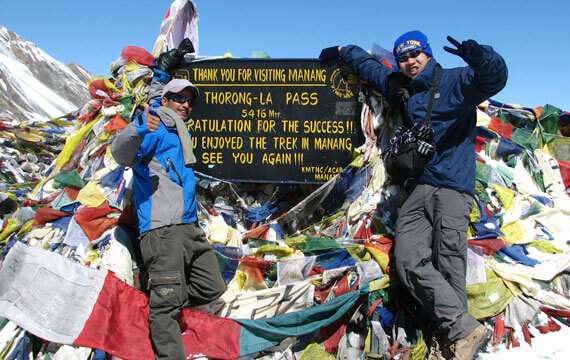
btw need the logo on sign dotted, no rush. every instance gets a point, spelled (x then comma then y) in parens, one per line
(339, 85)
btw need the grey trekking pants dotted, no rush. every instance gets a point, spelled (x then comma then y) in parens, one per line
(430, 254)
(183, 270)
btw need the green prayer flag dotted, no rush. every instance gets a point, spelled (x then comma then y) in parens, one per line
(68, 178)
(526, 138)
(549, 123)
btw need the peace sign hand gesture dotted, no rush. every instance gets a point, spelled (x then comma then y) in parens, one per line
(469, 50)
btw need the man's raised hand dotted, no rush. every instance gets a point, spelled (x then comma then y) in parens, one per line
(469, 50)
(152, 121)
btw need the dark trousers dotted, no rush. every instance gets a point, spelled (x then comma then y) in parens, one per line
(182, 270)
(430, 253)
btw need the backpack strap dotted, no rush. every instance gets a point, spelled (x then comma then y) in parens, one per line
(432, 91)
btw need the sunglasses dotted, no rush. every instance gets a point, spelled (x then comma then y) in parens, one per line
(181, 99)
(409, 55)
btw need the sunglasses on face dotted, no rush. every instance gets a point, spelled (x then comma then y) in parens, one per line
(409, 55)
(181, 99)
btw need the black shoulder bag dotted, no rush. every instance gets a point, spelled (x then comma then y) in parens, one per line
(412, 148)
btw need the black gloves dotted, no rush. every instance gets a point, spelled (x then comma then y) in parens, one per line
(468, 50)
(186, 47)
(425, 148)
(169, 60)
(329, 55)
(397, 88)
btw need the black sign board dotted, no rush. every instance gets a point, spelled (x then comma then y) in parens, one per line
(271, 120)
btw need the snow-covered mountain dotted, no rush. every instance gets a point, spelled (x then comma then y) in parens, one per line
(34, 85)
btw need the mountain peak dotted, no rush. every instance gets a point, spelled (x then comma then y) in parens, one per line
(33, 84)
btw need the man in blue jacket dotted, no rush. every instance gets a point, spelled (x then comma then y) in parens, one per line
(431, 242)
(182, 267)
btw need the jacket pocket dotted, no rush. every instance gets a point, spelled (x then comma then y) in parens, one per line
(172, 168)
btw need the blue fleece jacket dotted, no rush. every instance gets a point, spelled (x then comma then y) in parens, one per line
(164, 187)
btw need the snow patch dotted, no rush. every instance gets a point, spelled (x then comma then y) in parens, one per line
(31, 90)
(553, 345)
(81, 70)
(4, 33)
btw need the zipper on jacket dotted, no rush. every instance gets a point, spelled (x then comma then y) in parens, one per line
(163, 280)
(171, 164)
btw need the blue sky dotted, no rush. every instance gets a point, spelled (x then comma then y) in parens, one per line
(532, 36)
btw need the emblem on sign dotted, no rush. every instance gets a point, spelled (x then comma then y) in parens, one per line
(339, 85)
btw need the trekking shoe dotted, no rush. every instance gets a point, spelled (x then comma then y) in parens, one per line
(440, 349)
(467, 347)
(435, 350)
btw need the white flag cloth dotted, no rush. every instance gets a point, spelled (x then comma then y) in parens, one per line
(179, 23)
(65, 302)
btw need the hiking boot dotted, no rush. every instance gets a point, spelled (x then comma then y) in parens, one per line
(467, 347)
(440, 349)
(435, 350)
